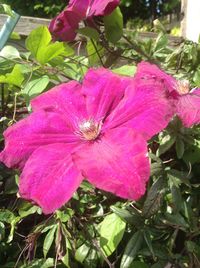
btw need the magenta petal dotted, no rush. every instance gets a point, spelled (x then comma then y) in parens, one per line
(103, 91)
(64, 26)
(145, 108)
(150, 73)
(49, 177)
(188, 108)
(117, 163)
(88, 8)
(102, 7)
(79, 7)
(66, 99)
(38, 129)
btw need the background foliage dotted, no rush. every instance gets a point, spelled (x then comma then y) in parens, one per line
(143, 9)
(97, 229)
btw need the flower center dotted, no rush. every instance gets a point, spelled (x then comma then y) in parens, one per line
(89, 129)
(183, 87)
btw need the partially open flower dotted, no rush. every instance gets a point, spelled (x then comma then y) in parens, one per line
(64, 26)
(95, 130)
(186, 102)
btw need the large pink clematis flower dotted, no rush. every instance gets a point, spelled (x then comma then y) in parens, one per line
(95, 130)
(186, 102)
(64, 26)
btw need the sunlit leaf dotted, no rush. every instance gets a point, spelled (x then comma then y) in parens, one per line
(110, 237)
(132, 249)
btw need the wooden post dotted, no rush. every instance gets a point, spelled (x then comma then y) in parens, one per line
(190, 25)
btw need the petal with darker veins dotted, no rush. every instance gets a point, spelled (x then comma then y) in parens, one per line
(116, 163)
(38, 129)
(49, 177)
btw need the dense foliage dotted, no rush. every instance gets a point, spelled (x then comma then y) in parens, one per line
(97, 229)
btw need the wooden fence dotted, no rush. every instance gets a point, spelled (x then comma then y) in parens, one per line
(27, 24)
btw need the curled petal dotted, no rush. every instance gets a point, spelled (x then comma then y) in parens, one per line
(150, 73)
(103, 91)
(88, 8)
(66, 99)
(188, 108)
(79, 7)
(38, 129)
(102, 7)
(146, 108)
(49, 177)
(64, 26)
(117, 163)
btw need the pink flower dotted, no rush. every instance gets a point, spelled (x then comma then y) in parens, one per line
(64, 26)
(186, 102)
(95, 130)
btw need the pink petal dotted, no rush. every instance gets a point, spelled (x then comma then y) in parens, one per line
(38, 129)
(64, 26)
(146, 108)
(102, 7)
(49, 177)
(66, 99)
(188, 108)
(150, 73)
(88, 8)
(79, 7)
(117, 163)
(103, 91)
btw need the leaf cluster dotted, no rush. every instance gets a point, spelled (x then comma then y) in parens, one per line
(97, 229)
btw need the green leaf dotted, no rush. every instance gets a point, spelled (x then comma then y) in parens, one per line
(179, 148)
(47, 53)
(15, 36)
(127, 70)
(177, 177)
(196, 78)
(41, 263)
(10, 52)
(138, 264)
(64, 215)
(127, 216)
(176, 220)
(6, 216)
(132, 249)
(154, 198)
(89, 32)
(176, 198)
(160, 43)
(81, 253)
(7, 10)
(192, 155)
(49, 240)
(27, 209)
(148, 240)
(12, 229)
(94, 51)
(156, 168)
(38, 38)
(39, 43)
(111, 237)
(65, 258)
(114, 25)
(36, 86)
(166, 143)
(14, 78)
(2, 231)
